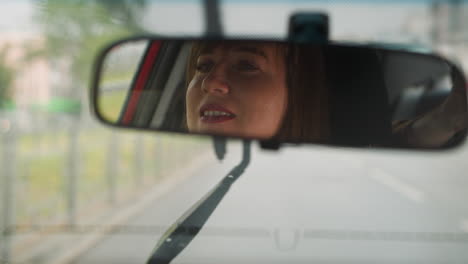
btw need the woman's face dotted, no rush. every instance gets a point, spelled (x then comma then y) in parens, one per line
(238, 90)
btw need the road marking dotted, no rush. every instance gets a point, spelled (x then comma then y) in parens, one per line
(397, 185)
(464, 225)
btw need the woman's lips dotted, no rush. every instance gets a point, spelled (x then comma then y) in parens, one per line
(212, 113)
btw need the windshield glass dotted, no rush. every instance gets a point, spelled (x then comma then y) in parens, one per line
(76, 192)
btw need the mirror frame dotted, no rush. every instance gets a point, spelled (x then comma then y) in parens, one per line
(270, 144)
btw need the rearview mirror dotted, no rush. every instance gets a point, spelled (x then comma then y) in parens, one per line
(282, 91)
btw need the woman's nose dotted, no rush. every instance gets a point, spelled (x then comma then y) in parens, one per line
(216, 82)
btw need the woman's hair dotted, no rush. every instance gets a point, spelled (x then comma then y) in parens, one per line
(307, 114)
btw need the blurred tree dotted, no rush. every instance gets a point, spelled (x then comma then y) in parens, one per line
(75, 30)
(6, 79)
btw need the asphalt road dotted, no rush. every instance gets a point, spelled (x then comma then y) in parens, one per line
(314, 205)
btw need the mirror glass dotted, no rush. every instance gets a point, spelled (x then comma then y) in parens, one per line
(117, 72)
(287, 92)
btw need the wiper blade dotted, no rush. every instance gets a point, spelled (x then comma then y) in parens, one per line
(181, 233)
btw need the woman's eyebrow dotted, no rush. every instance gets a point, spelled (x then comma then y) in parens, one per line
(252, 50)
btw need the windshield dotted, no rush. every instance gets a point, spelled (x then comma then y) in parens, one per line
(76, 192)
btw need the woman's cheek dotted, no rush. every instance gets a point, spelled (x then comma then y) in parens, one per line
(265, 105)
(275, 106)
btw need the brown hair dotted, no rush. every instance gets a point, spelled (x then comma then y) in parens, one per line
(307, 114)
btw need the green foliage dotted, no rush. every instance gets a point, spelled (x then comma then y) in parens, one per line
(110, 105)
(6, 78)
(75, 30)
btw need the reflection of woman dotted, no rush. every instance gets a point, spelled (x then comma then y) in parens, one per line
(256, 89)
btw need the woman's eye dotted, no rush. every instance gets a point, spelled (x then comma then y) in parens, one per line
(204, 67)
(246, 66)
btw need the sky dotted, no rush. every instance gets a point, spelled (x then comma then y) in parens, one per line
(16, 16)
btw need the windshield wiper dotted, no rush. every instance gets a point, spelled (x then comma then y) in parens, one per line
(181, 233)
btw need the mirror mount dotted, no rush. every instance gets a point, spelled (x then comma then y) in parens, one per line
(309, 27)
(219, 144)
(213, 26)
(270, 145)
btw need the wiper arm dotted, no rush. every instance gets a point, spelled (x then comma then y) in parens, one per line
(181, 233)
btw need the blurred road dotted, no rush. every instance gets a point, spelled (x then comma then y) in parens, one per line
(314, 204)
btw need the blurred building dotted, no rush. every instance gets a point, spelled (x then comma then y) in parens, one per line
(31, 79)
(442, 27)
(449, 33)
(31, 74)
